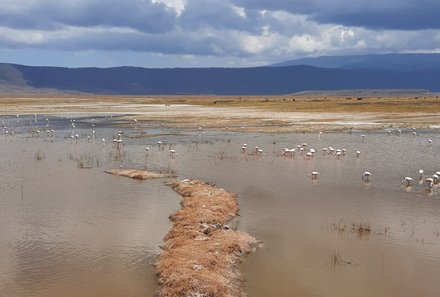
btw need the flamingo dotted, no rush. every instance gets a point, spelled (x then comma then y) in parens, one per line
(173, 153)
(358, 154)
(407, 181)
(430, 182)
(420, 173)
(103, 141)
(435, 178)
(366, 176)
(429, 142)
(288, 152)
(314, 175)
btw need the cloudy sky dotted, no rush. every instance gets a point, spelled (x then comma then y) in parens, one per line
(203, 33)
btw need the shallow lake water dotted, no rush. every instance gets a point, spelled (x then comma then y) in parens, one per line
(72, 231)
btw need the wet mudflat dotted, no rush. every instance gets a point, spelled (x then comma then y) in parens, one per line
(70, 229)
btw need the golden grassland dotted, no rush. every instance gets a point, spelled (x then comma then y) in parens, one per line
(255, 113)
(200, 252)
(288, 103)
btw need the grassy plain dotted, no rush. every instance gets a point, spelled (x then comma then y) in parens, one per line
(268, 113)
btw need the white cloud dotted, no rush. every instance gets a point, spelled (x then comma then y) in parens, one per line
(238, 32)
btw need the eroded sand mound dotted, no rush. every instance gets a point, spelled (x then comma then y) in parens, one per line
(138, 174)
(200, 252)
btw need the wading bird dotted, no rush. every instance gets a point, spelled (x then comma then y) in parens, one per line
(407, 181)
(366, 176)
(314, 175)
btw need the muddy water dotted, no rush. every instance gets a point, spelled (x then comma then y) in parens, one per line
(71, 231)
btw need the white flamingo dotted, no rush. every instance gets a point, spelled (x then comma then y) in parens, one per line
(366, 176)
(407, 181)
(314, 174)
(430, 182)
(435, 178)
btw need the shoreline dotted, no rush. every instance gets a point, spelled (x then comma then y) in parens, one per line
(201, 252)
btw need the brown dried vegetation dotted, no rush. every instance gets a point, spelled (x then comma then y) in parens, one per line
(138, 174)
(201, 252)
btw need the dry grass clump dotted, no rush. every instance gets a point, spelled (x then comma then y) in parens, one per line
(138, 174)
(338, 259)
(201, 251)
(362, 229)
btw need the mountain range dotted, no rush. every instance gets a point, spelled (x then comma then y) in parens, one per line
(389, 71)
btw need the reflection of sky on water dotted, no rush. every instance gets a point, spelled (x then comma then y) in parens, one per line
(76, 232)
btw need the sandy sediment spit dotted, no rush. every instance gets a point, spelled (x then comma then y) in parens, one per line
(138, 174)
(200, 251)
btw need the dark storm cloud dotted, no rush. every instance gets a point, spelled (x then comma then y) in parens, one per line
(271, 30)
(144, 16)
(172, 43)
(372, 14)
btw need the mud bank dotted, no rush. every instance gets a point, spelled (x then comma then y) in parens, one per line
(201, 252)
(138, 174)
